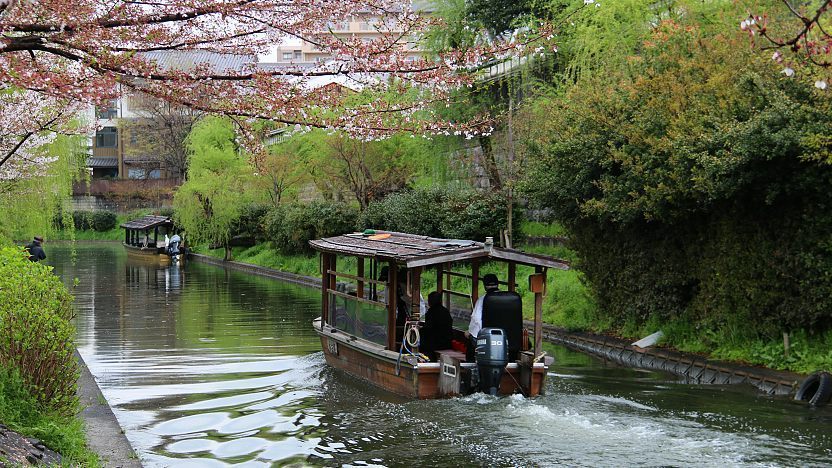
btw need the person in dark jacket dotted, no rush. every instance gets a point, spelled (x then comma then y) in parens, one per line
(437, 331)
(36, 252)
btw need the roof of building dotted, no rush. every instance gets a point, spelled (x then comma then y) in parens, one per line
(414, 250)
(184, 60)
(97, 162)
(147, 222)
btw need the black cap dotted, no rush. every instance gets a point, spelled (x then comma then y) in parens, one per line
(490, 280)
(39, 238)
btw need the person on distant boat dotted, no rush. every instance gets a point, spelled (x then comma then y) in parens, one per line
(173, 245)
(35, 249)
(437, 331)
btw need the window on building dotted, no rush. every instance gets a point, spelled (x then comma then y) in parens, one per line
(107, 111)
(298, 55)
(138, 173)
(107, 137)
(287, 56)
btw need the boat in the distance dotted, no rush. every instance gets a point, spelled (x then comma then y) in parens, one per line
(367, 276)
(153, 238)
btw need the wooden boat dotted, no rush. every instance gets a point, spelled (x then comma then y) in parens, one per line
(358, 329)
(141, 239)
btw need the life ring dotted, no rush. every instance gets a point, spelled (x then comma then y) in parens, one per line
(816, 389)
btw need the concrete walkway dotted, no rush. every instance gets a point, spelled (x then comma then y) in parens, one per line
(104, 435)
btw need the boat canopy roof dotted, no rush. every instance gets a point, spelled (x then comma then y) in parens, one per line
(419, 251)
(147, 222)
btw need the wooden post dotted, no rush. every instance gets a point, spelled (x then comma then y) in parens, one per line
(415, 293)
(475, 282)
(447, 300)
(360, 270)
(538, 314)
(392, 273)
(324, 288)
(156, 236)
(512, 276)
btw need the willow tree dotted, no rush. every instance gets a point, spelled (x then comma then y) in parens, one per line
(210, 203)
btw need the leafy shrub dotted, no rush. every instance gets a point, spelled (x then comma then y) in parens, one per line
(167, 212)
(82, 219)
(250, 224)
(442, 212)
(36, 332)
(103, 220)
(292, 226)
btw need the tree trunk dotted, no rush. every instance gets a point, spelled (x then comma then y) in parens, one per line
(227, 252)
(490, 164)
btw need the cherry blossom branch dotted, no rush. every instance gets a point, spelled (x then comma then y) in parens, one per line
(809, 45)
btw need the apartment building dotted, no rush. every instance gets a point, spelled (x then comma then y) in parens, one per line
(367, 28)
(119, 148)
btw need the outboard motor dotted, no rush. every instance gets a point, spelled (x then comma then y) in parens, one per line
(492, 357)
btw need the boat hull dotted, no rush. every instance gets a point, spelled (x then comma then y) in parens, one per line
(372, 363)
(149, 254)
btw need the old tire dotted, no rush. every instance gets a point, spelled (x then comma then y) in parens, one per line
(816, 389)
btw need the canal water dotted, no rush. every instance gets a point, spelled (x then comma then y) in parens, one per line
(207, 367)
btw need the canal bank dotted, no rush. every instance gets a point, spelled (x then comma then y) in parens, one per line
(104, 434)
(690, 367)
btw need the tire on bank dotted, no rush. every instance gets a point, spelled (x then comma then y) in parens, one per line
(816, 389)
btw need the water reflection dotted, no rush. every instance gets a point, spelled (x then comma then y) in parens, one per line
(207, 367)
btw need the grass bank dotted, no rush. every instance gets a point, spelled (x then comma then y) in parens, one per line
(20, 412)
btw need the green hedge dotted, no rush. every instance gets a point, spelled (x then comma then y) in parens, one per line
(695, 188)
(93, 220)
(442, 212)
(290, 227)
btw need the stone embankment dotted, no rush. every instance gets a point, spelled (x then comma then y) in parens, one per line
(16, 450)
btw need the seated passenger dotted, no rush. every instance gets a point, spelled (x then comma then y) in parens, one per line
(437, 331)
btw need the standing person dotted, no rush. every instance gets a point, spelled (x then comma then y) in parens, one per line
(491, 284)
(437, 332)
(36, 252)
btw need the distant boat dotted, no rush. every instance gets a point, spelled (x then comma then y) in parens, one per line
(358, 328)
(144, 238)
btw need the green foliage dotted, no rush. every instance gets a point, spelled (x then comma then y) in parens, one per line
(251, 222)
(36, 332)
(209, 205)
(684, 182)
(21, 412)
(28, 207)
(291, 226)
(539, 229)
(440, 212)
(362, 170)
(92, 220)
